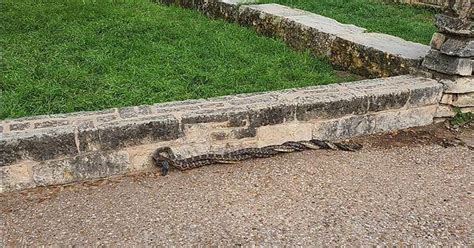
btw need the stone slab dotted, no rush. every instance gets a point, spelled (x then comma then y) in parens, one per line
(452, 25)
(458, 47)
(442, 63)
(460, 85)
(459, 100)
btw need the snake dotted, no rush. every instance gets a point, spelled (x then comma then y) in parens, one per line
(164, 157)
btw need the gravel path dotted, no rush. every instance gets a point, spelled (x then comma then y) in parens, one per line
(405, 195)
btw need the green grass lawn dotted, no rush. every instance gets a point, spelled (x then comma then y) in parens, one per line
(408, 22)
(63, 56)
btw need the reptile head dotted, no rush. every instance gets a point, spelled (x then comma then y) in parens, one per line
(162, 158)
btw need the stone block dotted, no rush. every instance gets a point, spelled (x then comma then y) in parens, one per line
(267, 18)
(15, 177)
(459, 100)
(129, 133)
(106, 118)
(181, 106)
(437, 40)
(37, 146)
(52, 123)
(313, 109)
(459, 47)
(460, 85)
(127, 112)
(348, 46)
(400, 119)
(444, 111)
(425, 92)
(447, 64)
(453, 25)
(234, 116)
(87, 166)
(467, 109)
(314, 32)
(376, 55)
(277, 134)
(227, 10)
(19, 126)
(343, 128)
(270, 115)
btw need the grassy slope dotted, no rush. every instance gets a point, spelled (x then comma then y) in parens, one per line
(64, 56)
(408, 22)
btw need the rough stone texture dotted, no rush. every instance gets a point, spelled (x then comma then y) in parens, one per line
(225, 9)
(37, 146)
(437, 40)
(125, 133)
(444, 111)
(453, 25)
(376, 55)
(68, 153)
(460, 85)
(467, 109)
(459, 100)
(460, 47)
(20, 126)
(404, 118)
(439, 62)
(92, 165)
(51, 123)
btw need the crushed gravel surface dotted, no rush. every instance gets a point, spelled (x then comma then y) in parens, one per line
(416, 195)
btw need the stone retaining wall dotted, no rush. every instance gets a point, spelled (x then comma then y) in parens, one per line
(348, 47)
(57, 149)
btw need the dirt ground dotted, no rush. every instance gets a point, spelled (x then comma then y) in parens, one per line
(411, 187)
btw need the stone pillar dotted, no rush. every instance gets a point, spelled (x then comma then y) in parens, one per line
(451, 57)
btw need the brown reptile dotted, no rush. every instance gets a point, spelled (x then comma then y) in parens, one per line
(164, 156)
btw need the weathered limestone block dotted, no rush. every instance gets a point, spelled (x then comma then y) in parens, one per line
(278, 134)
(393, 120)
(454, 25)
(315, 32)
(444, 111)
(343, 128)
(88, 166)
(225, 9)
(16, 177)
(447, 64)
(128, 133)
(460, 85)
(39, 145)
(376, 55)
(467, 109)
(460, 47)
(453, 45)
(459, 100)
(437, 40)
(267, 18)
